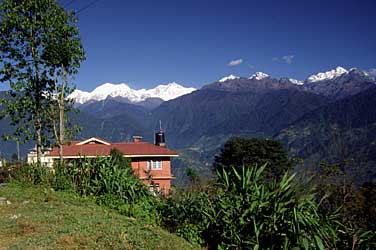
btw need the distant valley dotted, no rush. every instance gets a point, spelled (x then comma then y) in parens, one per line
(307, 116)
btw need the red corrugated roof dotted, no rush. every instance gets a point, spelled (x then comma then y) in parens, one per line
(129, 149)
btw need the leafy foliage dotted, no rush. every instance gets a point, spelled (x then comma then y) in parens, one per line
(247, 213)
(184, 214)
(38, 44)
(109, 180)
(31, 174)
(238, 152)
(270, 216)
(63, 55)
(339, 184)
(238, 210)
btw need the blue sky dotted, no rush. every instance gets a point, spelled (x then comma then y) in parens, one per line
(146, 43)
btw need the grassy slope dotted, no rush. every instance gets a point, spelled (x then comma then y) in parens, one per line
(38, 218)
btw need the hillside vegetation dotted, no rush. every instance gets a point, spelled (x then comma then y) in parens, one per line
(338, 132)
(39, 218)
(244, 207)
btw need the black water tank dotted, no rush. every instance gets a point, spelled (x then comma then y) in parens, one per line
(160, 139)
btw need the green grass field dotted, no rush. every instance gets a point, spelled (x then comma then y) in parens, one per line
(39, 218)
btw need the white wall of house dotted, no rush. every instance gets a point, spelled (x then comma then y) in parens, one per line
(45, 159)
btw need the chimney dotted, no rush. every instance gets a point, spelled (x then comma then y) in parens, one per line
(160, 139)
(137, 138)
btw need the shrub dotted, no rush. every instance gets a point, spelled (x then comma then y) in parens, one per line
(99, 176)
(110, 181)
(30, 174)
(62, 179)
(184, 214)
(248, 213)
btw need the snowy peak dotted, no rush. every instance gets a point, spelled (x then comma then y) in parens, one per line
(164, 91)
(79, 96)
(297, 82)
(339, 83)
(108, 88)
(169, 91)
(113, 90)
(329, 75)
(229, 77)
(259, 76)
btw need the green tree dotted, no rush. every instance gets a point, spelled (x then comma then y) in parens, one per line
(238, 152)
(63, 54)
(192, 175)
(39, 48)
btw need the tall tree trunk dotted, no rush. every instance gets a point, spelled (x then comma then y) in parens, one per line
(61, 131)
(54, 119)
(18, 150)
(61, 106)
(39, 140)
(37, 93)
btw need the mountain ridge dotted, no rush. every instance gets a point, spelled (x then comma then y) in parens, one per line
(340, 83)
(163, 91)
(317, 83)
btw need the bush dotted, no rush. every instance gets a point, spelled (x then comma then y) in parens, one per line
(109, 180)
(30, 174)
(248, 213)
(184, 214)
(63, 178)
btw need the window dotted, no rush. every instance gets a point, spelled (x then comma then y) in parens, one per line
(154, 165)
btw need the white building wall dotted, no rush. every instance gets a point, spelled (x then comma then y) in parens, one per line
(45, 159)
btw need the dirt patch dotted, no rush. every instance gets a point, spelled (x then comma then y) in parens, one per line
(6, 241)
(70, 242)
(67, 241)
(26, 227)
(49, 198)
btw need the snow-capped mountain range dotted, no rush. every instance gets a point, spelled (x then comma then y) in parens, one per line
(173, 90)
(329, 75)
(319, 77)
(164, 91)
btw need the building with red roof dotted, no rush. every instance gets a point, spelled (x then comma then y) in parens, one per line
(150, 162)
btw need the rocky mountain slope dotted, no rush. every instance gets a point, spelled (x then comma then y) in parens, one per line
(339, 83)
(344, 130)
(246, 107)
